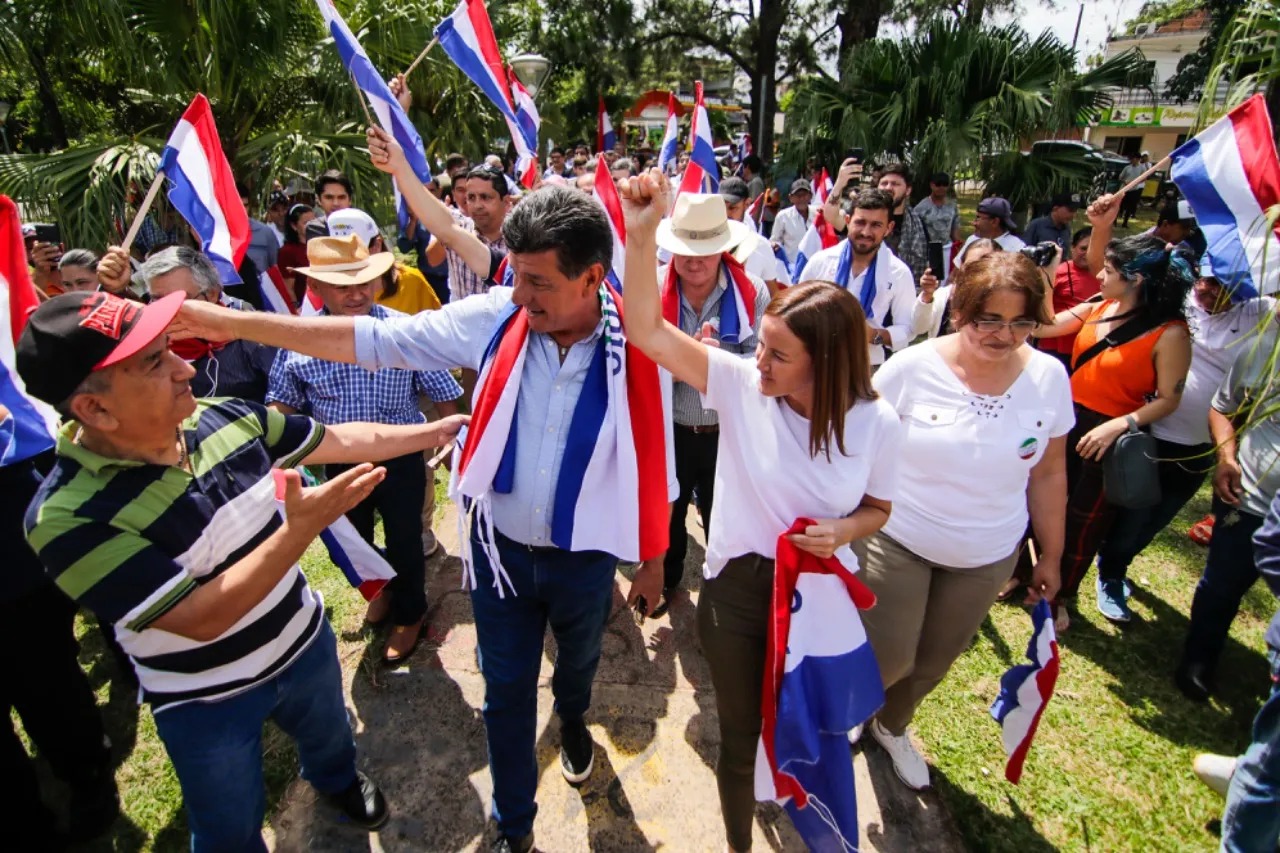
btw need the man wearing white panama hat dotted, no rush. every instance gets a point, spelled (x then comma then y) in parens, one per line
(345, 276)
(704, 288)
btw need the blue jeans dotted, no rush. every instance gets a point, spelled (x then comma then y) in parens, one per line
(216, 747)
(572, 591)
(1182, 469)
(1251, 821)
(1229, 571)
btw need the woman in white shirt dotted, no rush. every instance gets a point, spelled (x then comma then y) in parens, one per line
(1220, 321)
(802, 435)
(986, 419)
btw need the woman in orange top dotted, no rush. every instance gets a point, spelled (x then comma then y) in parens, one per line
(1136, 383)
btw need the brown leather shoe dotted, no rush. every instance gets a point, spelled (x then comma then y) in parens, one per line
(402, 642)
(378, 609)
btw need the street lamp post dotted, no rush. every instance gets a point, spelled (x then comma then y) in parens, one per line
(533, 71)
(5, 106)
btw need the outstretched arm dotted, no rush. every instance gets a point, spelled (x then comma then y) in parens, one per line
(644, 199)
(388, 156)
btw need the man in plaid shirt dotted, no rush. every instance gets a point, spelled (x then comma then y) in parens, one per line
(346, 277)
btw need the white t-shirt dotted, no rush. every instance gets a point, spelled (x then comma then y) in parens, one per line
(1008, 241)
(1216, 341)
(966, 458)
(765, 477)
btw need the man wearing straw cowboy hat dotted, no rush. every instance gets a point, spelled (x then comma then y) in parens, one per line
(345, 276)
(562, 474)
(703, 288)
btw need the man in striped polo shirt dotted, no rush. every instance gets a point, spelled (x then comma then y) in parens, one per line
(161, 516)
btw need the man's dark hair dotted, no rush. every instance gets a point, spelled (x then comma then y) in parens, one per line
(873, 199)
(455, 161)
(1080, 234)
(940, 178)
(1168, 213)
(899, 169)
(566, 220)
(493, 176)
(558, 150)
(333, 176)
(754, 163)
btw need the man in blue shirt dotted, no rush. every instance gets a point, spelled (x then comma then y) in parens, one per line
(345, 277)
(560, 248)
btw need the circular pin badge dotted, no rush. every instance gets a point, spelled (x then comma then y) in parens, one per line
(1028, 448)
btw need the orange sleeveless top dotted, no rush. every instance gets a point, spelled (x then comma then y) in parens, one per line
(1118, 380)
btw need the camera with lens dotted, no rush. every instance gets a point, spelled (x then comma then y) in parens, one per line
(1042, 254)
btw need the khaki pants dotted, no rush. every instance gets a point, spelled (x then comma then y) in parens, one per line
(926, 615)
(733, 625)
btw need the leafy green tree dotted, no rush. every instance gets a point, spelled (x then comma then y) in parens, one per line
(956, 97)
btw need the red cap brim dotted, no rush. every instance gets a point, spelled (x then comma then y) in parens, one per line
(155, 318)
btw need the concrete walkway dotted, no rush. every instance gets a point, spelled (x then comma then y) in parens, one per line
(653, 718)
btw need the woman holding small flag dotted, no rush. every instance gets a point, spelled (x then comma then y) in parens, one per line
(959, 520)
(802, 435)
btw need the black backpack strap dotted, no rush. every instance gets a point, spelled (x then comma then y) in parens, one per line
(1131, 330)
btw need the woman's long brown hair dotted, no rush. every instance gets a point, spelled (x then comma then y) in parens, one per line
(833, 328)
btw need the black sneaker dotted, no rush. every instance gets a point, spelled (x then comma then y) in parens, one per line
(577, 752)
(510, 844)
(362, 803)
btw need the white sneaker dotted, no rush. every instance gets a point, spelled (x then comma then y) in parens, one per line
(907, 763)
(855, 733)
(1215, 770)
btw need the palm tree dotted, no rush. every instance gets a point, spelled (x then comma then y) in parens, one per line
(959, 97)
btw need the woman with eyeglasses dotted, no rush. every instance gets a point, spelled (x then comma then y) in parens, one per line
(985, 421)
(1129, 368)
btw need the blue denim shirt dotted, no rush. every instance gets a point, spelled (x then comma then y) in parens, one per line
(1266, 554)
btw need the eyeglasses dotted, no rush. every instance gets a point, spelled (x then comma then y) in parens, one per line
(1020, 328)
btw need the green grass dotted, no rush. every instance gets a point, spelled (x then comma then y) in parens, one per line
(1145, 218)
(1110, 768)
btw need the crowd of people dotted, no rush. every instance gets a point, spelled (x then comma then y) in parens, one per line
(945, 427)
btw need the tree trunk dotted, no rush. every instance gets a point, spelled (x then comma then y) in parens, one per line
(858, 21)
(764, 84)
(49, 100)
(974, 11)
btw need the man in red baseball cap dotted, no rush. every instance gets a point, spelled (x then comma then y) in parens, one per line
(162, 516)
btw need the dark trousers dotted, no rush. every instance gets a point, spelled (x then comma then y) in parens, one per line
(733, 625)
(398, 499)
(1182, 469)
(695, 454)
(1129, 204)
(1229, 571)
(1089, 515)
(42, 681)
(572, 591)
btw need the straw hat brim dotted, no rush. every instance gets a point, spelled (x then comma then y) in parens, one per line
(667, 239)
(378, 264)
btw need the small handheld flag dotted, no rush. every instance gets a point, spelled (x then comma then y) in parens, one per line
(671, 137)
(31, 424)
(703, 172)
(1230, 175)
(605, 137)
(203, 189)
(385, 107)
(606, 192)
(1025, 691)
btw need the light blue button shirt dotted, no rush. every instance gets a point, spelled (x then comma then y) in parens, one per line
(456, 336)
